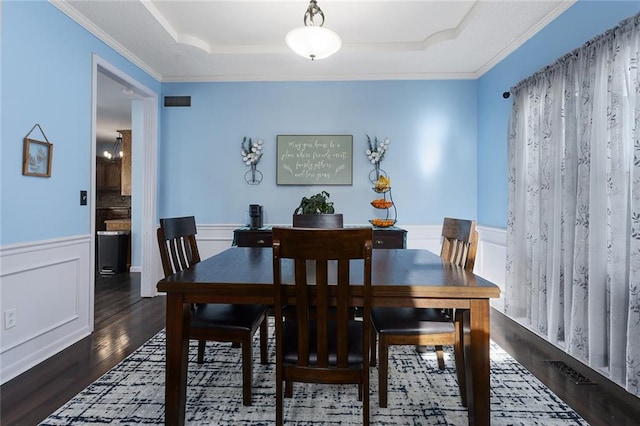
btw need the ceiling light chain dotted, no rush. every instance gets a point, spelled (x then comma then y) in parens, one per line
(313, 10)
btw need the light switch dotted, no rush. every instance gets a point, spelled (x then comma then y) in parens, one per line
(83, 198)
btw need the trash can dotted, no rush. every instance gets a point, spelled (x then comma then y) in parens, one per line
(112, 251)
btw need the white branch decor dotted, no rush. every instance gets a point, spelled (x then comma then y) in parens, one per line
(251, 151)
(251, 155)
(375, 152)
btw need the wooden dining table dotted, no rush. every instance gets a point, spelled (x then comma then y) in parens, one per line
(400, 277)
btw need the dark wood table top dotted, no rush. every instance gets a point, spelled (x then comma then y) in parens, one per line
(396, 273)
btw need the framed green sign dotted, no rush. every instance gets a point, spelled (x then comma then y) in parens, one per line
(314, 160)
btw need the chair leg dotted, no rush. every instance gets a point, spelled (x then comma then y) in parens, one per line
(201, 346)
(440, 355)
(383, 369)
(247, 369)
(279, 398)
(288, 389)
(365, 404)
(372, 353)
(264, 338)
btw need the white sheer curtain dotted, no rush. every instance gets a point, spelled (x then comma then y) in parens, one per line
(573, 233)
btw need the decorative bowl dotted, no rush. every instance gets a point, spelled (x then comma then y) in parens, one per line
(381, 203)
(382, 223)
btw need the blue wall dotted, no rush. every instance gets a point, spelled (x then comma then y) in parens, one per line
(447, 155)
(580, 23)
(46, 79)
(431, 160)
(432, 125)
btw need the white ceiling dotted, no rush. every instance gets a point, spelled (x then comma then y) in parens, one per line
(113, 111)
(243, 40)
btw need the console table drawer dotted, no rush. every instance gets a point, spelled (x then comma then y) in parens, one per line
(253, 239)
(389, 239)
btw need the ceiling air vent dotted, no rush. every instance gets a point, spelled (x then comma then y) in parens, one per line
(177, 101)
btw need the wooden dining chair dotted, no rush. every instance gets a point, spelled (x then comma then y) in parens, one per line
(427, 326)
(213, 322)
(322, 343)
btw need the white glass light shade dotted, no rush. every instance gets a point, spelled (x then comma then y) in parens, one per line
(313, 42)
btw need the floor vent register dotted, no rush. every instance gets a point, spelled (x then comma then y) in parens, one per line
(573, 375)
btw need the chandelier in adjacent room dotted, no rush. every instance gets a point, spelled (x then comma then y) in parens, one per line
(116, 149)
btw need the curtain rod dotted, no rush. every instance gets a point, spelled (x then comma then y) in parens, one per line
(632, 20)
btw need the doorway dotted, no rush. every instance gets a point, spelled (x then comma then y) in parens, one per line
(143, 125)
(113, 209)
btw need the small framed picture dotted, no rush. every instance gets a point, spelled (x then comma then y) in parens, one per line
(37, 156)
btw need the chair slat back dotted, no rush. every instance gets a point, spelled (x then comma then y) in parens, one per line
(177, 243)
(459, 242)
(322, 278)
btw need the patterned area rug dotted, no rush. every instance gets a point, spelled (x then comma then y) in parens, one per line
(419, 394)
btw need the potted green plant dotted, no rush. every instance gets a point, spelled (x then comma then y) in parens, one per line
(317, 212)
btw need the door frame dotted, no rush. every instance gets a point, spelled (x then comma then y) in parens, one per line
(150, 261)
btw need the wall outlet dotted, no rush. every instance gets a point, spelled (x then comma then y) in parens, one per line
(9, 318)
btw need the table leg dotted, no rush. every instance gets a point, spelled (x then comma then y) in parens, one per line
(177, 332)
(461, 321)
(477, 359)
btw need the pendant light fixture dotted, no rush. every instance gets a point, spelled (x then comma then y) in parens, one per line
(313, 41)
(116, 149)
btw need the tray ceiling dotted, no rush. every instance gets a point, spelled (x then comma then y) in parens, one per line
(243, 40)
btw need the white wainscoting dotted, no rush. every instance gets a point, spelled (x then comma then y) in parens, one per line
(491, 259)
(212, 239)
(48, 285)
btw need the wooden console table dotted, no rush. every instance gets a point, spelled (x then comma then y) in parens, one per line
(387, 238)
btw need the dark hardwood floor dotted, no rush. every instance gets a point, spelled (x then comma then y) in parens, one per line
(600, 403)
(124, 321)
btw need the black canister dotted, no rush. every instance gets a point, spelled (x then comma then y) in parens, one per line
(255, 216)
